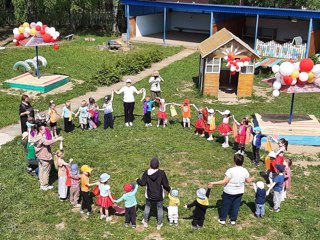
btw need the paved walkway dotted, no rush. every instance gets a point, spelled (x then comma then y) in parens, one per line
(8, 133)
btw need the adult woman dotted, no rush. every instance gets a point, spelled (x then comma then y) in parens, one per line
(43, 153)
(25, 111)
(128, 101)
(233, 182)
(155, 85)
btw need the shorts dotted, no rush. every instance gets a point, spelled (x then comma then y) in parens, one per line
(53, 124)
(186, 120)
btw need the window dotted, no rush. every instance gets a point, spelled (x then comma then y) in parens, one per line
(213, 65)
(248, 69)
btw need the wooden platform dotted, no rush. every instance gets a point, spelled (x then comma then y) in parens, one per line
(44, 84)
(304, 129)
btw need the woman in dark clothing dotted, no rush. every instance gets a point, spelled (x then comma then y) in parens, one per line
(25, 111)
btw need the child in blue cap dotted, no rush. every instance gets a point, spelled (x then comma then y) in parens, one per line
(277, 187)
(256, 144)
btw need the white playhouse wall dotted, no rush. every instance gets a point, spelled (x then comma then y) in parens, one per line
(285, 28)
(149, 24)
(188, 20)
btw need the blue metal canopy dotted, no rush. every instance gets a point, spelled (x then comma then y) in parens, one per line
(246, 10)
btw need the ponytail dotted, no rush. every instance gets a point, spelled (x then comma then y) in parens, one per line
(284, 142)
(56, 157)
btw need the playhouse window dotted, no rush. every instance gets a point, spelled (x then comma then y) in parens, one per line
(248, 69)
(213, 65)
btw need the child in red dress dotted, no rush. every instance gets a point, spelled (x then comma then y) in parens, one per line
(210, 126)
(224, 127)
(240, 138)
(200, 125)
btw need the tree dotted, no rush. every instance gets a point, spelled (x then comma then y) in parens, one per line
(115, 28)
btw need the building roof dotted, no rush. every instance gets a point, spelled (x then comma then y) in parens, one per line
(218, 40)
(247, 10)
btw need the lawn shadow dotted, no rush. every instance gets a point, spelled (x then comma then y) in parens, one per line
(265, 176)
(153, 210)
(196, 81)
(250, 205)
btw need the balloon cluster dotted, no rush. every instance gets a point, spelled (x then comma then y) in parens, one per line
(236, 64)
(298, 73)
(26, 30)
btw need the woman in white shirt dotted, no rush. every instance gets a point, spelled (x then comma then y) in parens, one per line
(128, 101)
(155, 85)
(234, 181)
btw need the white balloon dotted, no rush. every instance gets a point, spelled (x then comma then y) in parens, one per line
(317, 82)
(275, 68)
(303, 76)
(52, 30)
(26, 35)
(286, 68)
(47, 30)
(16, 35)
(278, 76)
(57, 34)
(15, 31)
(294, 82)
(296, 66)
(33, 25)
(315, 69)
(246, 63)
(240, 64)
(225, 57)
(276, 85)
(27, 30)
(15, 40)
(275, 93)
(232, 68)
(39, 24)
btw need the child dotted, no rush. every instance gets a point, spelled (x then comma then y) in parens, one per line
(75, 185)
(61, 166)
(201, 204)
(147, 107)
(272, 168)
(105, 199)
(67, 117)
(174, 203)
(53, 118)
(256, 144)
(260, 199)
(283, 147)
(162, 115)
(93, 110)
(107, 108)
(277, 186)
(186, 112)
(30, 126)
(32, 162)
(85, 189)
(240, 138)
(224, 128)
(199, 125)
(130, 203)
(287, 178)
(83, 115)
(210, 126)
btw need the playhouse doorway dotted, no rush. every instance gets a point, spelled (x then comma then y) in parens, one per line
(228, 83)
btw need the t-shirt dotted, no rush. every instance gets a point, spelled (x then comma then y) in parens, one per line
(75, 180)
(173, 201)
(237, 176)
(278, 180)
(53, 115)
(83, 112)
(129, 198)
(107, 107)
(149, 105)
(104, 189)
(128, 93)
(155, 84)
(84, 183)
(31, 155)
(65, 112)
(260, 196)
(186, 111)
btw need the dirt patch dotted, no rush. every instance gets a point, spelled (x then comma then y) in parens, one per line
(139, 228)
(107, 234)
(311, 151)
(60, 226)
(187, 87)
(306, 163)
(306, 173)
(154, 236)
(263, 92)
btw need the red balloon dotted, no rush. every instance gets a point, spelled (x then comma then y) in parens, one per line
(21, 36)
(42, 32)
(306, 65)
(299, 82)
(46, 38)
(38, 28)
(287, 80)
(56, 47)
(17, 43)
(233, 73)
(44, 27)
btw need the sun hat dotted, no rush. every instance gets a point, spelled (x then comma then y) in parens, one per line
(257, 129)
(104, 177)
(127, 187)
(260, 185)
(272, 154)
(211, 110)
(128, 80)
(155, 73)
(174, 193)
(280, 167)
(226, 112)
(86, 168)
(24, 135)
(74, 168)
(201, 193)
(186, 101)
(162, 100)
(154, 163)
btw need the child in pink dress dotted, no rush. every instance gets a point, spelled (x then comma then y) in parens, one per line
(224, 127)
(287, 178)
(240, 138)
(162, 115)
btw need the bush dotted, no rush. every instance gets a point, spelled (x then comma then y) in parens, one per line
(112, 72)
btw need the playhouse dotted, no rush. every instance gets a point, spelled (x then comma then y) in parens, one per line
(215, 76)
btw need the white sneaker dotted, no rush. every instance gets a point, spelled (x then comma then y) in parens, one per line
(221, 222)
(145, 224)
(44, 188)
(150, 124)
(108, 219)
(164, 125)
(153, 108)
(147, 125)
(127, 124)
(159, 226)
(102, 217)
(225, 146)
(49, 187)
(232, 222)
(202, 135)
(238, 152)
(196, 134)
(77, 205)
(210, 139)
(158, 125)
(130, 123)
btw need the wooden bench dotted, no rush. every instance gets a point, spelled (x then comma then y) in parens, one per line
(69, 37)
(263, 33)
(181, 29)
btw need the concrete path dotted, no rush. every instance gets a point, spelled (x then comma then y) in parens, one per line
(8, 133)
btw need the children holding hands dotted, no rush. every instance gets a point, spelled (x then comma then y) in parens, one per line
(108, 109)
(85, 189)
(277, 186)
(224, 127)
(260, 199)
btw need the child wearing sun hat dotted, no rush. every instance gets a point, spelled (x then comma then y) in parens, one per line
(174, 203)
(85, 189)
(130, 203)
(201, 205)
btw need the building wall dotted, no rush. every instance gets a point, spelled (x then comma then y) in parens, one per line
(133, 25)
(149, 24)
(285, 28)
(245, 85)
(233, 25)
(314, 42)
(211, 84)
(188, 20)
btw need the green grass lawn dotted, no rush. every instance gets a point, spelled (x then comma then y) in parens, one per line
(189, 161)
(78, 59)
